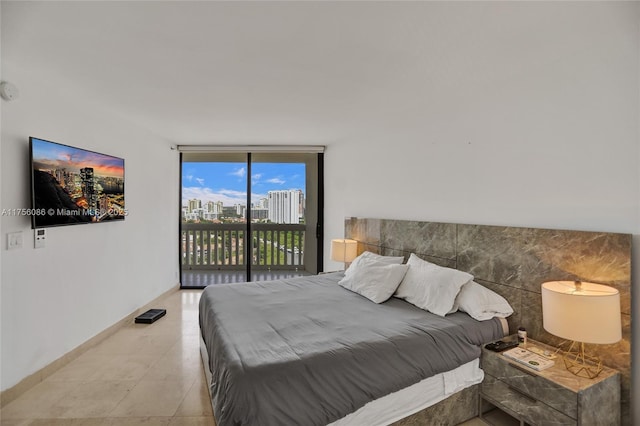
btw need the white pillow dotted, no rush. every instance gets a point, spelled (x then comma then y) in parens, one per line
(431, 287)
(367, 255)
(374, 279)
(482, 303)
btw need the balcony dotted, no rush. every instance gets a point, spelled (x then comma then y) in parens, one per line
(215, 252)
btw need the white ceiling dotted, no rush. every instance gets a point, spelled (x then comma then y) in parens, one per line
(244, 72)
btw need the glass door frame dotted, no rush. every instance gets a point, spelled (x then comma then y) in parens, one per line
(317, 178)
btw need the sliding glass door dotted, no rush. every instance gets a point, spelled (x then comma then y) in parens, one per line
(212, 221)
(249, 216)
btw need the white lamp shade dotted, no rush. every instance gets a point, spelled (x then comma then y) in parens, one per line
(583, 312)
(343, 250)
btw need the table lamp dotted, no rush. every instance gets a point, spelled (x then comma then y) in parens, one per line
(344, 250)
(583, 313)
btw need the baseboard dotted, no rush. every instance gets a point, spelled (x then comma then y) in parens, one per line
(30, 381)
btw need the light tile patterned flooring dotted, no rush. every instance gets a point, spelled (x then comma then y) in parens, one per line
(144, 374)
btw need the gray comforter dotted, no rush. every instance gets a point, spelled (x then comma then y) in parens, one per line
(306, 351)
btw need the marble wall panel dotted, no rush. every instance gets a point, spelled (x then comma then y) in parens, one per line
(447, 263)
(366, 231)
(388, 251)
(373, 248)
(514, 262)
(527, 257)
(436, 240)
(503, 255)
(588, 256)
(597, 256)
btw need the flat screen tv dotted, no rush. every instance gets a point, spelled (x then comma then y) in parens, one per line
(72, 186)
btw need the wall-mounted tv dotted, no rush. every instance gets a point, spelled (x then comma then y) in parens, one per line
(73, 186)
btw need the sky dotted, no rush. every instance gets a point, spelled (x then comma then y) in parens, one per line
(227, 182)
(50, 155)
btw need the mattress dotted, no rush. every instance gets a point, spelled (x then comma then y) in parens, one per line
(307, 351)
(405, 402)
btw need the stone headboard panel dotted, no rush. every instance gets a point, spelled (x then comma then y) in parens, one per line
(514, 262)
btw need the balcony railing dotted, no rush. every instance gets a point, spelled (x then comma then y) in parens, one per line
(222, 246)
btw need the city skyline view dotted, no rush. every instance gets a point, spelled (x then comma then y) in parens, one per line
(227, 182)
(72, 185)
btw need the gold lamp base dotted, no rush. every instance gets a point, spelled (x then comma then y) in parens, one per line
(581, 364)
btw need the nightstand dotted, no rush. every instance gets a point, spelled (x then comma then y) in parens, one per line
(549, 397)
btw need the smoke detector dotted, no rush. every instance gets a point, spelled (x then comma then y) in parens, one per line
(8, 91)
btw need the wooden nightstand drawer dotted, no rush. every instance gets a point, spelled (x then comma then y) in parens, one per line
(529, 383)
(528, 409)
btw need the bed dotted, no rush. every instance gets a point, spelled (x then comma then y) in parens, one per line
(308, 351)
(511, 261)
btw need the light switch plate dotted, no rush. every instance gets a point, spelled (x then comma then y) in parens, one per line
(14, 240)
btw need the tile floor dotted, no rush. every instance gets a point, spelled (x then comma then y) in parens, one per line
(144, 374)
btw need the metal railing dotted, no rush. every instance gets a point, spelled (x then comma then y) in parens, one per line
(222, 246)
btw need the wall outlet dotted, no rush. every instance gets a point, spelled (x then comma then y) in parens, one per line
(14, 240)
(39, 238)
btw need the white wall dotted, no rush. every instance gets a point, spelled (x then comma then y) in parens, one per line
(87, 277)
(548, 137)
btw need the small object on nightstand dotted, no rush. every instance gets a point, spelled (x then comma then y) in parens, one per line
(500, 346)
(522, 337)
(529, 359)
(542, 352)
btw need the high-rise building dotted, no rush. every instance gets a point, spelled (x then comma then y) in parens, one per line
(212, 210)
(60, 175)
(285, 206)
(213, 207)
(70, 182)
(88, 187)
(194, 204)
(229, 211)
(263, 203)
(259, 214)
